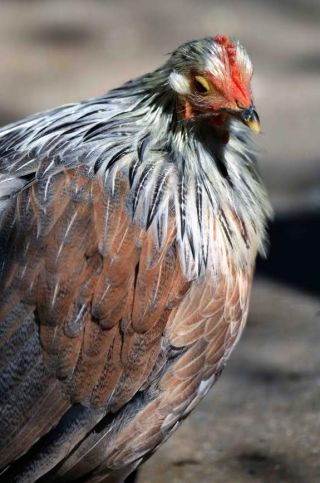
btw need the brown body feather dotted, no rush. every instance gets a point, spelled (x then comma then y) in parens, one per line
(103, 306)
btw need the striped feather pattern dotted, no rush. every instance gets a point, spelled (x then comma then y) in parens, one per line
(126, 258)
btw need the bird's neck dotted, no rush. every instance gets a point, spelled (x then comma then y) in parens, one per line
(213, 186)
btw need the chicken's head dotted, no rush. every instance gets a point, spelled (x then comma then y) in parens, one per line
(212, 79)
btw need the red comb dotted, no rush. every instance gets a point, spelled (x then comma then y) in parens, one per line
(222, 40)
(229, 46)
(231, 49)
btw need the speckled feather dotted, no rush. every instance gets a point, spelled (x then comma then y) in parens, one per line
(128, 241)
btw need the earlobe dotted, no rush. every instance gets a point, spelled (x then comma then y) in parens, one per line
(188, 111)
(179, 83)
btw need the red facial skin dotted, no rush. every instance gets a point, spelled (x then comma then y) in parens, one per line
(232, 92)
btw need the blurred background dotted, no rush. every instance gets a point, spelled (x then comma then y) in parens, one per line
(261, 423)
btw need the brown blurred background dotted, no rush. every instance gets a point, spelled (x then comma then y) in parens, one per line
(261, 423)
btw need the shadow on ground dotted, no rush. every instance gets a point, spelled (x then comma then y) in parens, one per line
(293, 257)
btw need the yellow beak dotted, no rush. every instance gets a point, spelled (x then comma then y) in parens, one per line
(250, 118)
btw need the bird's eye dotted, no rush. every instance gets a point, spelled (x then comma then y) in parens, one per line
(201, 85)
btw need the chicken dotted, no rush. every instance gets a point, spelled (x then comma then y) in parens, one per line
(129, 227)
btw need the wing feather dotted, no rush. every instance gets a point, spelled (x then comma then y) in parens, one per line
(101, 327)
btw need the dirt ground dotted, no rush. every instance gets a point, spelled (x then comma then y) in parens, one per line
(261, 422)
